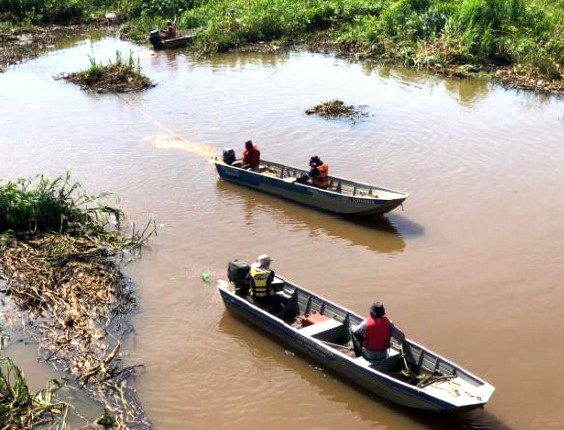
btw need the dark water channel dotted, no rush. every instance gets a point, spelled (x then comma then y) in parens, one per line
(472, 267)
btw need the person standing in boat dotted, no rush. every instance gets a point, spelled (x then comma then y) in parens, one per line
(251, 157)
(318, 174)
(375, 333)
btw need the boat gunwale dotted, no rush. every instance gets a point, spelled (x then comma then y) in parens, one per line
(404, 387)
(401, 194)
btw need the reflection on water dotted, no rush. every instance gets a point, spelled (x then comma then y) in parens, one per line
(236, 327)
(377, 233)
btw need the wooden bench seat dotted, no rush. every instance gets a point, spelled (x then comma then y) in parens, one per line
(320, 327)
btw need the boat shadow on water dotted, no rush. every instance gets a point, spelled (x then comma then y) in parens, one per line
(246, 334)
(377, 233)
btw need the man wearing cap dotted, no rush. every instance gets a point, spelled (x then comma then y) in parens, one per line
(375, 333)
(318, 173)
(261, 279)
(261, 290)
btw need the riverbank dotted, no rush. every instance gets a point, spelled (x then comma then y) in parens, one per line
(22, 44)
(19, 44)
(60, 262)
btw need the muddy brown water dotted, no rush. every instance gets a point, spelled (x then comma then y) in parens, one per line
(471, 267)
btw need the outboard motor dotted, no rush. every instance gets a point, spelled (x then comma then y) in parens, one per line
(228, 156)
(155, 38)
(237, 274)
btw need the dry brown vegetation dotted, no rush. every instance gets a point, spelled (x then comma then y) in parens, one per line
(21, 44)
(60, 261)
(75, 301)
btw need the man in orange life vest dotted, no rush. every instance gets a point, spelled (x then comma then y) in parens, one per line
(375, 332)
(251, 157)
(318, 174)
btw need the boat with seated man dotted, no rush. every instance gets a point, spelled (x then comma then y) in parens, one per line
(159, 40)
(342, 196)
(411, 375)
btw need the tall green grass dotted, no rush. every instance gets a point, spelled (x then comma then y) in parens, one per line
(527, 35)
(59, 205)
(52, 11)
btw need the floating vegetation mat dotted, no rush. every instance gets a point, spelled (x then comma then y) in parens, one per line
(71, 295)
(335, 109)
(118, 76)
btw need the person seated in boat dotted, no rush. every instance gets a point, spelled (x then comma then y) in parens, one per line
(375, 332)
(261, 291)
(318, 174)
(171, 30)
(251, 157)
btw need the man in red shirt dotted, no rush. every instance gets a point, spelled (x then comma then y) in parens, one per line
(251, 157)
(375, 333)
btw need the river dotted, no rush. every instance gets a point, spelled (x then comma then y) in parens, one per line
(472, 266)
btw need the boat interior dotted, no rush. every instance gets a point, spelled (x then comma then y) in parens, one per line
(322, 320)
(338, 185)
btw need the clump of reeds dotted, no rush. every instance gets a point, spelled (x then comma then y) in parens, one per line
(21, 409)
(119, 75)
(335, 109)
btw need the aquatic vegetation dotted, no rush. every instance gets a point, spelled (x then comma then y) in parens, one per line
(61, 249)
(19, 408)
(118, 76)
(335, 109)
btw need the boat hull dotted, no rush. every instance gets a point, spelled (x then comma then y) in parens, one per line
(377, 383)
(179, 42)
(311, 196)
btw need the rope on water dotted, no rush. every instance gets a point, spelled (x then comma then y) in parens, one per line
(157, 123)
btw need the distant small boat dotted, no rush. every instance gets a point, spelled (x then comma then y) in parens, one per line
(343, 196)
(158, 42)
(411, 376)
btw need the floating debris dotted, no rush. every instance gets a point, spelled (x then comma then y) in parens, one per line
(336, 109)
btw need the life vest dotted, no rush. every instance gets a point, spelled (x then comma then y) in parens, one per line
(377, 335)
(321, 180)
(259, 278)
(252, 157)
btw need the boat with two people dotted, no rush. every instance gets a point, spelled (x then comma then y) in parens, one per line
(412, 375)
(342, 196)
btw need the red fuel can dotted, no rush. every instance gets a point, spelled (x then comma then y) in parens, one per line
(312, 318)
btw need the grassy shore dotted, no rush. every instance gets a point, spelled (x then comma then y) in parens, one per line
(520, 42)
